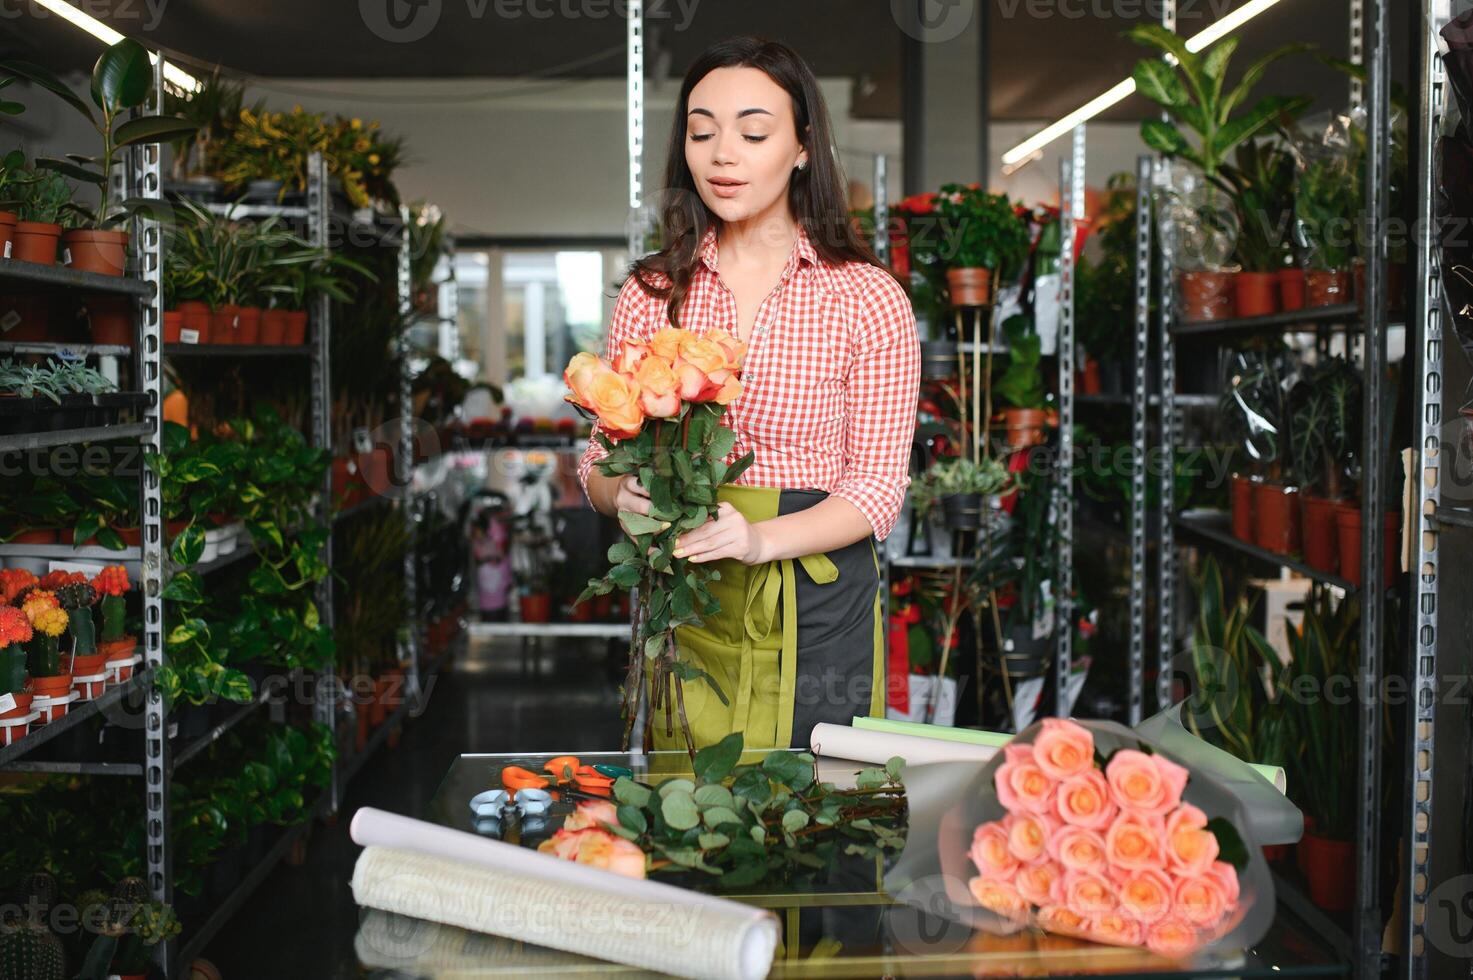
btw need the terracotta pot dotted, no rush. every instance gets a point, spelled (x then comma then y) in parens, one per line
(1024, 426)
(7, 229)
(602, 605)
(27, 315)
(102, 252)
(52, 708)
(50, 687)
(248, 327)
(1274, 853)
(375, 469)
(1330, 867)
(195, 328)
(969, 287)
(14, 729)
(22, 704)
(1276, 518)
(1348, 524)
(34, 241)
(1326, 287)
(173, 326)
(39, 535)
(360, 738)
(1291, 288)
(343, 477)
(296, 328)
(273, 327)
(1242, 498)
(132, 536)
(1255, 293)
(91, 686)
(1321, 538)
(224, 324)
(175, 527)
(1396, 274)
(581, 612)
(1089, 378)
(537, 607)
(110, 319)
(117, 649)
(87, 664)
(1205, 296)
(378, 709)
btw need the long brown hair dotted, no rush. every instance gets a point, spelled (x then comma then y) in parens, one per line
(816, 194)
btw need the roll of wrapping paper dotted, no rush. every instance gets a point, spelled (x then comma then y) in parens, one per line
(971, 736)
(431, 872)
(863, 745)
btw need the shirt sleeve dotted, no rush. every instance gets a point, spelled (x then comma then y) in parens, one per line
(880, 405)
(627, 322)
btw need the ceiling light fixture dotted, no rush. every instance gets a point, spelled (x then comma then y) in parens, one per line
(172, 73)
(1223, 27)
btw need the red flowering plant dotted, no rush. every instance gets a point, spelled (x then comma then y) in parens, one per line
(13, 582)
(48, 621)
(15, 631)
(111, 584)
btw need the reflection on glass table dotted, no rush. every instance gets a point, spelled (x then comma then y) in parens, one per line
(839, 924)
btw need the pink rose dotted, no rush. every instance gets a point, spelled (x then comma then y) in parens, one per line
(1227, 876)
(1078, 849)
(593, 813)
(990, 851)
(1040, 884)
(597, 848)
(1063, 748)
(630, 353)
(1190, 847)
(1062, 920)
(999, 896)
(1145, 783)
(1087, 894)
(1028, 835)
(1021, 785)
(1134, 842)
(1200, 900)
(1173, 938)
(1145, 895)
(1084, 801)
(1116, 929)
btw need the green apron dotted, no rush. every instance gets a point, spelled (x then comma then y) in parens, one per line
(788, 633)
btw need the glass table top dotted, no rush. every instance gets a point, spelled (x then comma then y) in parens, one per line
(838, 924)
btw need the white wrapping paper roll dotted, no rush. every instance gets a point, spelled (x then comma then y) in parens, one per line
(843, 742)
(432, 872)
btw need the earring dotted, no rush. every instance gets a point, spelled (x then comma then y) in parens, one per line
(802, 165)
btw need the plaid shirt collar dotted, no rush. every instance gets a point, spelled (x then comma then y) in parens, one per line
(803, 251)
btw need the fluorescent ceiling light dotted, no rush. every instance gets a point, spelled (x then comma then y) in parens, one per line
(1223, 27)
(173, 73)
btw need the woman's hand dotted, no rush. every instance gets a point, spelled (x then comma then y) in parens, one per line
(727, 535)
(629, 495)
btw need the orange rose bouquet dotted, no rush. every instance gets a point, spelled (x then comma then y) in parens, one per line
(659, 404)
(1089, 830)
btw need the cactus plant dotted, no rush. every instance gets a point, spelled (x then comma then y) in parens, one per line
(30, 952)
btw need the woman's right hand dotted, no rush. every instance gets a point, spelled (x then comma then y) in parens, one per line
(630, 495)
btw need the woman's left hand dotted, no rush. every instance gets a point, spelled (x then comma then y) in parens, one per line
(727, 535)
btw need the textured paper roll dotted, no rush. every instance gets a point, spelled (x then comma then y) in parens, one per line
(431, 872)
(862, 745)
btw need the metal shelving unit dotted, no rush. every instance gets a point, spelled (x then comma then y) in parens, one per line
(1071, 213)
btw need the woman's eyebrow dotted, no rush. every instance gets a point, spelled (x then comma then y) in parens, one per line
(698, 111)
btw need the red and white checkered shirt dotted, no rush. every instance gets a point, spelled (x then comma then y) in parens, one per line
(830, 381)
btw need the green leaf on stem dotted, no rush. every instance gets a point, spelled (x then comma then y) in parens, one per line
(715, 762)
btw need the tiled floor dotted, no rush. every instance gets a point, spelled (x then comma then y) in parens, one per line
(300, 923)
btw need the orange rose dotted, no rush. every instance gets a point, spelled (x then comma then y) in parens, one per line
(1078, 849)
(592, 813)
(734, 349)
(579, 374)
(1133, 843)
(615, 399)
(1115, 929)
(598, 849)
(1040, 884)
(659, 396)
(705, 354)
(1145, 783)
(1145, 896)
(1084, 801)
(1020, 784)
(1060, 919)
(1200, 900)
(666, 343)
(990, 851)
(999, 896)
(1190, 847)
(631, 354)
(1028, 836)
(1064, 748)
(1173, 938)
(1227, 876)
(1088, 895)
(731, 387)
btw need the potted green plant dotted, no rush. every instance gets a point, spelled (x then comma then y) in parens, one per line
(961, 486)
(1262, 178)
(12, 174)
(43, 202)
(1324, 222)
(1021, 385)
(985, 236)
(1324, 436)
(127, 926)
(1254, 405)
(121, 80)
(48, 622)
(214, 110)
(110, 585)
(1194, 92)
(77, 597)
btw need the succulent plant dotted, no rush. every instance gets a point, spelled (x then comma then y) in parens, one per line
(31, 952)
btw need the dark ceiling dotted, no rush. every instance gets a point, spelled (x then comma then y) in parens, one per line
(1041, 66)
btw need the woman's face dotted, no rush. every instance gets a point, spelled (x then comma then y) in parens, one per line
(740, 142)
